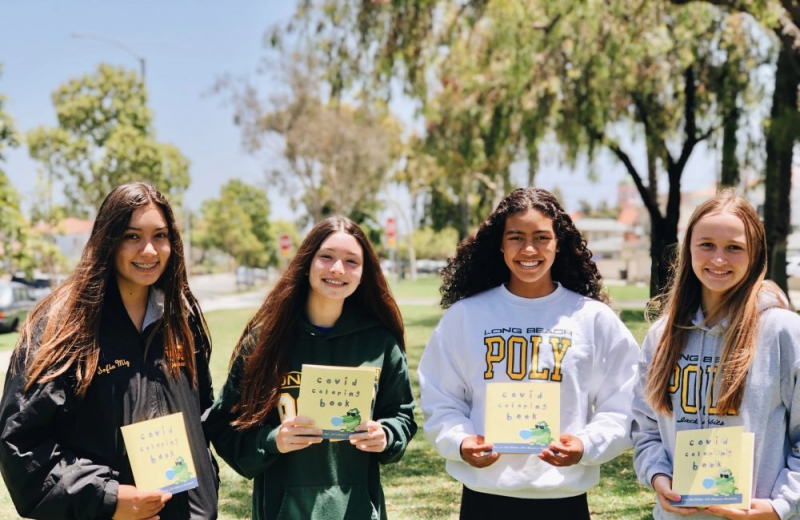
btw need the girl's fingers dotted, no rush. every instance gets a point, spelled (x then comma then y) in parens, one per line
(295, 431)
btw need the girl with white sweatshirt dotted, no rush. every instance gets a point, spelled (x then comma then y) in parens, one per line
(525, 303)
(725, 352)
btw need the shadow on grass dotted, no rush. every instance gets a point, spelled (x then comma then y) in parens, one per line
(418, 486)
(235, 493)
(619, 494)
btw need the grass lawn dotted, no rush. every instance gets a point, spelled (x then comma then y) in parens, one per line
(626, 293)
(8, 340)
(417, 487)
(425, 286)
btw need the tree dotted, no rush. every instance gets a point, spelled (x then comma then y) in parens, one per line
(436, 245)
(493, 77)
(105, 138)
(13, 225)
(336, 158)
(238, 223)
(783, 127)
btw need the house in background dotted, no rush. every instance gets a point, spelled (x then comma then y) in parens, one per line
(70, 236)
(620, 247)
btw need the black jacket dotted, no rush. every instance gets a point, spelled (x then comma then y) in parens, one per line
(63, 457)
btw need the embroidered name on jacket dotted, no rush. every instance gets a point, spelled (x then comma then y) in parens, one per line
(532, 353)
(108, 367)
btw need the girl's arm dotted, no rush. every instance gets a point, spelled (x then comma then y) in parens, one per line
(607, 434)
(204, 384)
(394, 405)
(443, 392)
(248, 452)
(650, 457)
(45, 478)
(785, 496)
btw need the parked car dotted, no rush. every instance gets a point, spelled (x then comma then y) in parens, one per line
(793, 266)
(429, 266)
(16, 301)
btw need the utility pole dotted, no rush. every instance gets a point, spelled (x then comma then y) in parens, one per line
(117, 44)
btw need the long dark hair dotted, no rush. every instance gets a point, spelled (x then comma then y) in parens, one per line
(739, 303)
(70, 316)
(275, 323)
(479, 265)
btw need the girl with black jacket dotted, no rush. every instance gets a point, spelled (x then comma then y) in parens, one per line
(122, 340)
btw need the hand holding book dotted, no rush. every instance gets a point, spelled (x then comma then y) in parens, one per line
(662, 485)
(296, 433)
(760, 509)
(478, 453)
(566, 451)
(370, 436)
(134, 504)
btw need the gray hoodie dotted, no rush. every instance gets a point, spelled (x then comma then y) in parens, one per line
(770, 408)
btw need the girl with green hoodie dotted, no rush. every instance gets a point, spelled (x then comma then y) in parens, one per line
(332, 306)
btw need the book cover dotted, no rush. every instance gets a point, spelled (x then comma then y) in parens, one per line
(337, 398)
(159, 453)
(522, 417)
(713, 467)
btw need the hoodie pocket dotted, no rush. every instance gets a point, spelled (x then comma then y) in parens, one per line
(345, 502)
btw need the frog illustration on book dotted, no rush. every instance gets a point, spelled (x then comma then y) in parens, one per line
(539, 434)
(351, 420)
(180, 471)
(725, 483)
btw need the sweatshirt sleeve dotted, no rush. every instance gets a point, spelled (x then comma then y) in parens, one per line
(785, 497)
(202, 359)
(249, 452)
(650, 457)
(607, 434)
(394, 405)
(444, 392)
(45, 479)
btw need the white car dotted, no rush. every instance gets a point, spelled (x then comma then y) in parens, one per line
(793, 266)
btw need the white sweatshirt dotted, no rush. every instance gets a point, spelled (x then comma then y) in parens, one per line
(468, 349)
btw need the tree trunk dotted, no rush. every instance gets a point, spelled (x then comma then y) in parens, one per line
(663, 241)
(463, 210)
(778, 176)
(730, 164)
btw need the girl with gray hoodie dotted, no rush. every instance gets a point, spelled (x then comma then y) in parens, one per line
(725, 352)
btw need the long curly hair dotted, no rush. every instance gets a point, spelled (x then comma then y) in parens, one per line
(479, 264)
(275, 322)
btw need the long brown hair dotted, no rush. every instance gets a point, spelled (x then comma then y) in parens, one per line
(478, 264)
(67, 321)
(275, 323)
(739, 303)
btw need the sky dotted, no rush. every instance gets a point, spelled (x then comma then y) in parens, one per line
(187, 47)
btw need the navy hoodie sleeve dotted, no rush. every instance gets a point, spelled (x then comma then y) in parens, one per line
(44, 478)
(394, 405)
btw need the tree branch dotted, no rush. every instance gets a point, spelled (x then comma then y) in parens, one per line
(690, 127)
(649, 203)
(788, 28)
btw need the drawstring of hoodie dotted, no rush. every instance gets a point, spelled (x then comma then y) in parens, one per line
(698, 392)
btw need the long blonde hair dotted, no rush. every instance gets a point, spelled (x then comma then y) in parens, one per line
(740, 304)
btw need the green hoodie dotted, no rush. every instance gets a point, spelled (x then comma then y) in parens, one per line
(330, 480)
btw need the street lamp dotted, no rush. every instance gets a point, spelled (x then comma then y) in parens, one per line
(115, 43)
